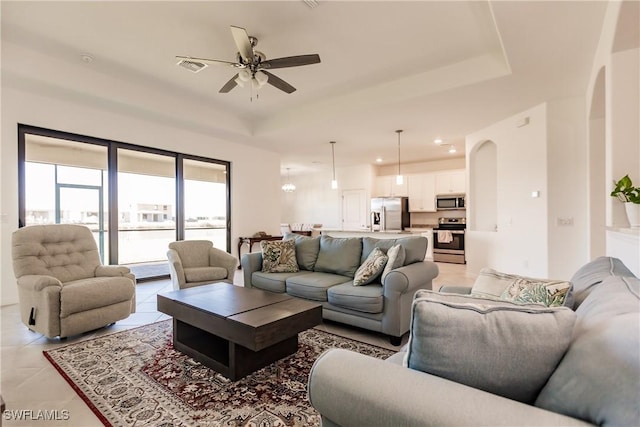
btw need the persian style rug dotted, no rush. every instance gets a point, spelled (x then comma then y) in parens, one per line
(135, 378)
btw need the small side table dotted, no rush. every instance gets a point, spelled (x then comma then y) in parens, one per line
(250, 241)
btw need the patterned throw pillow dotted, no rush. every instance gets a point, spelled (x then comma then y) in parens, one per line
(519, 289)
(370, 268)
(531, 291)
(279, 256)
(396, 256)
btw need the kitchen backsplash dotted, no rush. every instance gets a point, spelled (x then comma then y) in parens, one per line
(430, 218)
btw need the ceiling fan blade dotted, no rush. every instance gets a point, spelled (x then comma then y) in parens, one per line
(241, 38)
(212, 61)
(291, 61)
(279, 83)
(229, 85)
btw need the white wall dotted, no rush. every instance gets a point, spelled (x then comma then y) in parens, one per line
(623, 113)
(255, 201)
(520, 243)
(618, 58)
(483, 185)
(315, 202)
(547, 155)
(568, 185)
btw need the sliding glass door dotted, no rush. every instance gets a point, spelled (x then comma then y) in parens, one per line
(136, 200)
(205, 202)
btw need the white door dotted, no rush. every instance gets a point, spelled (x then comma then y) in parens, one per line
(354, 210)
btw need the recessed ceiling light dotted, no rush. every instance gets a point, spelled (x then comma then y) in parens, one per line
(452, 149)
(86, 58)
(438, 141)
(379, 159)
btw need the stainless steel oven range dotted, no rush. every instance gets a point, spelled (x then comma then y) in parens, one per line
(448, 240)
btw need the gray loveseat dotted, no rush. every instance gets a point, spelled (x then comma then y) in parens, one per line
(326, 270)
(596, 382)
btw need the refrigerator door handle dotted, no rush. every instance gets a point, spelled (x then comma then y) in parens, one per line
(383, 218)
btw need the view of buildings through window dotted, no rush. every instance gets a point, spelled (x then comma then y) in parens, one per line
(67, 182)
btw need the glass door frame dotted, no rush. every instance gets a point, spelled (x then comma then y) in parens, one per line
(100, 190)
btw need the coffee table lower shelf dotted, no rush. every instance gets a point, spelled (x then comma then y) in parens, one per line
(228, 358)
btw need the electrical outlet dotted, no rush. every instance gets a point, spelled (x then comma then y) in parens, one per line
(564, 221)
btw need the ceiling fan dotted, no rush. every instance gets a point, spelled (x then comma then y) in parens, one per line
(253, 64)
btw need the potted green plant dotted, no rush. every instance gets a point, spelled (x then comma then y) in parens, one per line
(630, 196)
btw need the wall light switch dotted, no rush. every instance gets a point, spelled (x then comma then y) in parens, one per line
(535, 194)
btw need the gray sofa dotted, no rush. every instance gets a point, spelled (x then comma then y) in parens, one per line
(326, 270)
(596, 382)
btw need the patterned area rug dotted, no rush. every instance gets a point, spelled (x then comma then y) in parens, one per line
(136, 378)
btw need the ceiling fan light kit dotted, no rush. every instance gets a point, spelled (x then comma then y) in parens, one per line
(252, 64)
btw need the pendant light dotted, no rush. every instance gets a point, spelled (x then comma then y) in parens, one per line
(334, 182)
(399, 177)
(288, 187)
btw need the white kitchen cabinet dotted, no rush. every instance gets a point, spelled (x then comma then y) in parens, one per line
(385, 186)
(422, 192)
(451, 182)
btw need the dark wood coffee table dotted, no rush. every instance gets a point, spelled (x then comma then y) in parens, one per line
(236, 330)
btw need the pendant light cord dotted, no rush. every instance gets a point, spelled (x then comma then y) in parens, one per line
(333, 159)
(399, 132)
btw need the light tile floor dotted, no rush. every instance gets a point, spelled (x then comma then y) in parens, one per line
(28, 382)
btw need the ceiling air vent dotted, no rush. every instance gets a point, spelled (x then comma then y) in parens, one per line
(193, 66)
(311, 3)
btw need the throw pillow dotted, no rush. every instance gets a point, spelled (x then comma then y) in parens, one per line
(370, 268)
(307, 249)
(415, 247)
(497, 346)
(511, 287)
(551, 294)
(396, 260)
(339, 255)
(278, 256)
(491, 283)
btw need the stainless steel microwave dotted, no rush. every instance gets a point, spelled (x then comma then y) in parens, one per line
(445, 202)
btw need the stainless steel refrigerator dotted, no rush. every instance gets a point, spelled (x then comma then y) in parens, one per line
(389, 213)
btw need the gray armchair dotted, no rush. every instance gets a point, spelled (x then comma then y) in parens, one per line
(63, 287)
(197, 262)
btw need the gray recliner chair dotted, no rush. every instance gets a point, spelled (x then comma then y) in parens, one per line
(197, 262)
(63, 287)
